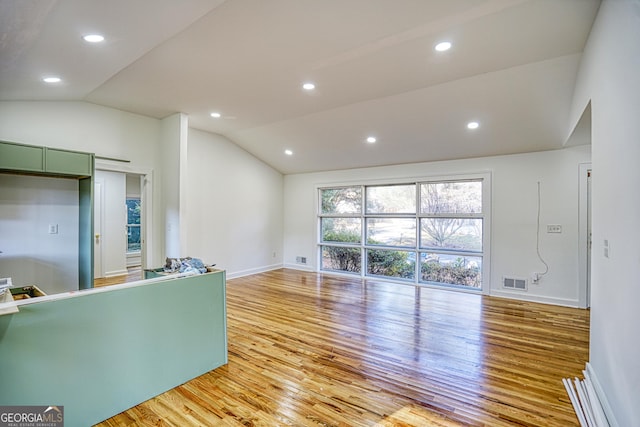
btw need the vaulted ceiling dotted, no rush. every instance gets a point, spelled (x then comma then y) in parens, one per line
(511, 68)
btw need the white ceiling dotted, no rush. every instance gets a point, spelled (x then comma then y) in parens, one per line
(512, 67)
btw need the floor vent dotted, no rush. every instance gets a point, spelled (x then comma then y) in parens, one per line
(517, 283)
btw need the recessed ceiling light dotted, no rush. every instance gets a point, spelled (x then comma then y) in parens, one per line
(288, 152)
(51, 79)
(371, 139)
(216, 115)
(308, 86)
(93, 38)
(473, 125)
(442, 46)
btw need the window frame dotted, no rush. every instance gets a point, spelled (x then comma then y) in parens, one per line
(485, 216)
(128, 225)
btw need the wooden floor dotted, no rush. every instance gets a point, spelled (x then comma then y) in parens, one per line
(134, 273)
(317, 350)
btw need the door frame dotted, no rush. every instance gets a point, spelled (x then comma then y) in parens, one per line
(98, 210)
(584, 238)
(146, 198)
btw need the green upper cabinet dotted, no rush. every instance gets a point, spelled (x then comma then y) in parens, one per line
(55, 163)
(68, 162)
(19, 157)
(28, 158)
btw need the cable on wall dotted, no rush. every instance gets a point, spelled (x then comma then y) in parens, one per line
(546, 270)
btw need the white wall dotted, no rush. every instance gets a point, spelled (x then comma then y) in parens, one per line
(30, 254)
(101, 130)
(84, 127)
(113, 237)
(610, 78)
(171, 149)
(133, 186)
(234, 207)
(211, 199)
(514, 215)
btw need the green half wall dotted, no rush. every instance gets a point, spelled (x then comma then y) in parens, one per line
(100, 353)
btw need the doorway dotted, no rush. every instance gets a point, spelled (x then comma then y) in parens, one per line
(121, 221)
(584, 235)
(133, 201)
(97, 228)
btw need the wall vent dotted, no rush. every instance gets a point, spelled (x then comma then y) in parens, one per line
(517, 283)
(301, 259)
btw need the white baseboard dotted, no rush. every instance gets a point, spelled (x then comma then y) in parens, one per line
(301, 267)
(589, 401)
(115, 273)
(523, 296)
(242, 273)
(602, 397)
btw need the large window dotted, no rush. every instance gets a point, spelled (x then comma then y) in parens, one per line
(133, 225)
(424, 232)
(341, 227)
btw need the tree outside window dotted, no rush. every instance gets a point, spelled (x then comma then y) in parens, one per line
(133, 225)
(425, 232)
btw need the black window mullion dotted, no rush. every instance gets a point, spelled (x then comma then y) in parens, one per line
(417, 250)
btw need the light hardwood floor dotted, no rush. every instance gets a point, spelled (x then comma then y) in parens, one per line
(134, 273)
(308, 349)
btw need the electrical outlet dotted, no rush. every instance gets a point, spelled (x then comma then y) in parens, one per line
(554, 228)
(53, 228)
(535, 278)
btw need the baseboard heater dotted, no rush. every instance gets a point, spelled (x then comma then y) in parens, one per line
(584, 395)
